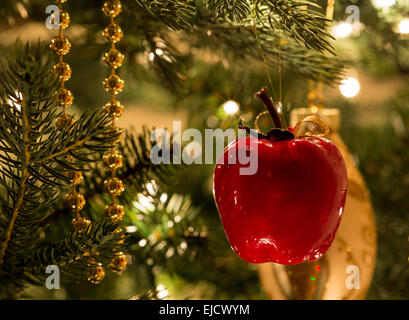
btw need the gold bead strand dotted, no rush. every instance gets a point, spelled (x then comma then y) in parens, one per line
(114, 85)
(61, 45)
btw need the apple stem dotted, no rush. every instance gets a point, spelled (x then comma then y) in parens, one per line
(265, 98)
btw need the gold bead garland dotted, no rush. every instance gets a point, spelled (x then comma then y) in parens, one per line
(113, 159)
(96, 272)
(75, 201)
(61, 45)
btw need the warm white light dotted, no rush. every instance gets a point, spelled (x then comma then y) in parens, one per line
(131, 229)
(16, 102)
(144, 203)
(152, 187)
(350, 87)
(384, 3)
(162, 292)
(343, 30)
(163, 197)
(159, 52)
(231, 107)
(403, 26)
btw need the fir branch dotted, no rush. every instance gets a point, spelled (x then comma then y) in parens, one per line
(26, 155)
(137, 169)
(300, 19)
(299, 23)
(33, 160)
(72, 255)
(164, 57)
(237, 10)
(240, 43)
(167, 228)
(177, 14)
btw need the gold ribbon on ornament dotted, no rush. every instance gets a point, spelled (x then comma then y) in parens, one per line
(310, 126)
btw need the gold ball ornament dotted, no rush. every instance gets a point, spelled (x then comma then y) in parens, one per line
(114, 186)
(60, 1)
(64, 19)
(64, 121)
(62, 71)
(115, 211)
(74, 176)
(60, 45)
(96, 273)
(114, 109)
(113, 84)
(80, 224)
(113, 160)
(118, 263)
(113, 33)
(352, 255)
(65, 98)
(75, 201)
(113, 58)
(112, 8)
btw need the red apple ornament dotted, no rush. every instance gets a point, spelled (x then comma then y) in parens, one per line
(289, 211)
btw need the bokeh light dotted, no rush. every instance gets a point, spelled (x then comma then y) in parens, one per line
(350, 87)
(403, 26)
(342, 30)
(231, 107)
(384, 3)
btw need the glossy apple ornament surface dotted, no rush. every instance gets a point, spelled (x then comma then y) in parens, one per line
(289, 211)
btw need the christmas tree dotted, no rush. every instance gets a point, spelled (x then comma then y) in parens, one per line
(152, 231)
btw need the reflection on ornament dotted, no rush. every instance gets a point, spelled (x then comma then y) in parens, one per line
(354, 244)
(350, 87)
